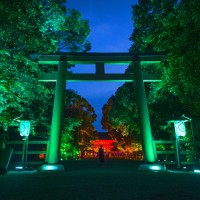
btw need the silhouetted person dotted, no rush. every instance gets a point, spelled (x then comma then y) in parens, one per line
(101, 154)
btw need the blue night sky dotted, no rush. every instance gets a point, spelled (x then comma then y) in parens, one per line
(111, 26)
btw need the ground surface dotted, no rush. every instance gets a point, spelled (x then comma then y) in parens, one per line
(91, 180)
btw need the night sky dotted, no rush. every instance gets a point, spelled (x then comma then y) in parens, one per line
(111, 26)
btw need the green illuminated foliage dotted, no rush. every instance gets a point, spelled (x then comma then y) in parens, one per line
(172, 26)
(78, 129)
(28, 27)
(164, 107)
(41, 26)
(69, 139)
(119, 110)
(148, 17)
(124, 111)
(120, 117)
(82, 110)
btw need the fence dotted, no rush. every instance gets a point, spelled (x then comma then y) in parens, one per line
(36, 151)
(168, 153)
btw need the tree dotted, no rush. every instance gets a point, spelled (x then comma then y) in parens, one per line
(148, 17)
(106, 121)
(41, 27)
(120, 117)
(124, 110)
(78, 130)
(69, 139)
(163, 108)
(172, 26)
(33, 27)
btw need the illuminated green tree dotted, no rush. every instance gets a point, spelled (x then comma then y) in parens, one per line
(41, 27)
(69, 139)
(172, 26)
(124, 110)
(164, 107)
(148, 17)
(33, 27)
(120, 117)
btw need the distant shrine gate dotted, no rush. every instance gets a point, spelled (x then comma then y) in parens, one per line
(99, 59)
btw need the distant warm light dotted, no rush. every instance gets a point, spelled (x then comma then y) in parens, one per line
(41, 156)
(107, 144)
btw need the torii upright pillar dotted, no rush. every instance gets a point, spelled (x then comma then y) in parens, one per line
(53, 154)
(145, 126)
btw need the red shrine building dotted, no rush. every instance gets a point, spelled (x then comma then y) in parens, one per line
(110, 149)
(104, 140)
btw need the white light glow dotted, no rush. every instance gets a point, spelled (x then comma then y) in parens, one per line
(180, 129)
(51, 167)
(155, 168)
(151, 167)
(18, 167)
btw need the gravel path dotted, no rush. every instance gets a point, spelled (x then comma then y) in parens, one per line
(91, 180)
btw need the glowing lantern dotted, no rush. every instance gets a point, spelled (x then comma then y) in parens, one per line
(180, 128)
(25, 128)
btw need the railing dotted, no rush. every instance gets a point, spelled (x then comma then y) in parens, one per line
(168, 155)
(36, 152)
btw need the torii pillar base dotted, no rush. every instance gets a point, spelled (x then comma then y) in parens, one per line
(151, 167)
(51, 167)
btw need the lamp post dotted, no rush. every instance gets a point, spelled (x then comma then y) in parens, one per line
(179, 126)
(24, 132)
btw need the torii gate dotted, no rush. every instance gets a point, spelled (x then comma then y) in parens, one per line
(99, 59)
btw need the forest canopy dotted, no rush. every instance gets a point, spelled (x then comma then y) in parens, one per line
(35, 27)
(170, 26)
